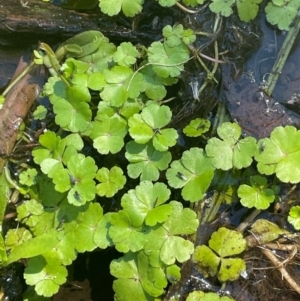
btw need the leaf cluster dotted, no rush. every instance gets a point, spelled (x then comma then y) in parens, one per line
(216, 259)
(148, 230)
(278, 12)
(62, 215)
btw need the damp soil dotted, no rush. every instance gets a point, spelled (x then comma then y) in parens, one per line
(249, 50)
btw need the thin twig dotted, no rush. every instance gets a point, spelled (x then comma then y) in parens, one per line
(280, 266)
(282, 57)
(188, 10)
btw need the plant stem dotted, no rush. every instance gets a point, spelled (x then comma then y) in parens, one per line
(282, 57)
(280, 266)
(18, 78)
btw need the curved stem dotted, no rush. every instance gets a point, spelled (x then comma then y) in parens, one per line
(188, 10)
(18, 78)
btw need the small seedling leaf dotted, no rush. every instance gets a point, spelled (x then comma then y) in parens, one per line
(126, 54)
(281, 154)
(294, 217)
(110, 181)
(230, 151)
(257, 195)
(222, 7)
(197, 127)
(129, 7)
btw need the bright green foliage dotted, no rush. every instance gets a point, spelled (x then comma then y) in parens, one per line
(294, 217)
(155, 85)
(73, 115)
(194, 172)
(201, 296)
(213, 260)
(136, 278)
(86, 229)
(126, 54)
(79, 89)
(247, 9)
(96, 81)
(80, 45)
(193, 2)
(124, 235)
(40, 113)
(168, 61)
(257, 195)
(74, 140)
(27, 177)
(173, 273)
(71, 68)
(3, 252)
(77, 178)
(146, 161)
(4, 195)
(70, 104)
(231, 151)
(2, 100)
(121, 83)
(102, 57)
(108, 133)
(66, 186)
(281, 154)
(129, 7)
(148, 125)
(176, 35)
(222, 7)
(167, 3)
(33, 247)
(110, 181)
(15, 237)
(282, 13)
(65, 248)
(51, 146)
(64, 218)
(166, 240)
(101, 238)
(28, 210)
(161, 242)
(46, 274)
(146, 205)
(197, 127)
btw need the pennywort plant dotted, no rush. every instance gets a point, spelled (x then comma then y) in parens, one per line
(278, 12)
(112, 99)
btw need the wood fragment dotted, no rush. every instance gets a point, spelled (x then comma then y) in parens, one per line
(280, 266)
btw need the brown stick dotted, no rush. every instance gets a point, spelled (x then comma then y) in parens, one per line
(16, 106)
(280, 266)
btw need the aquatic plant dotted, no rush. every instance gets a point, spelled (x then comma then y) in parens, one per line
(129, 118)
